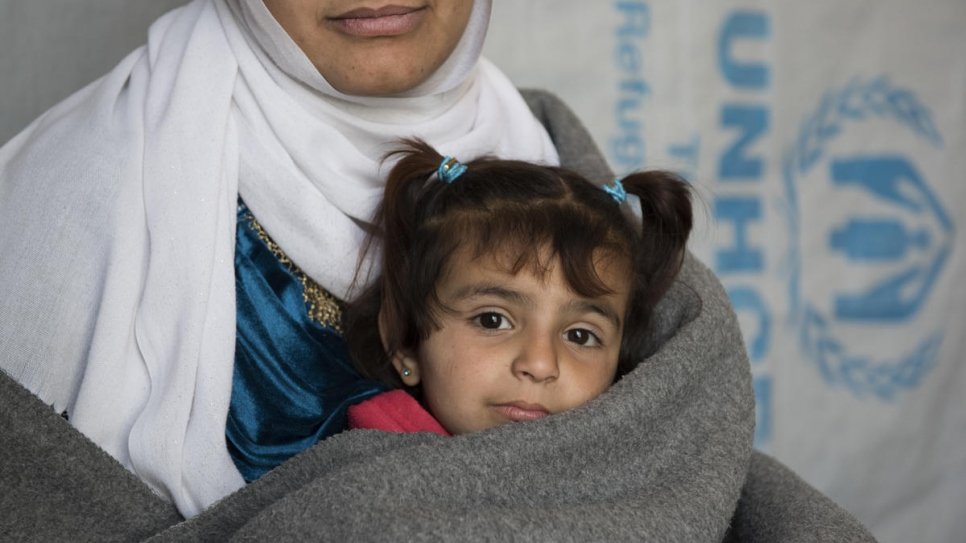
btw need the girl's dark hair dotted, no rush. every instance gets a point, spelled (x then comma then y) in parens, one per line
(520, 209)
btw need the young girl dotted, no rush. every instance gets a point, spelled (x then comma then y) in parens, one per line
(509, 291)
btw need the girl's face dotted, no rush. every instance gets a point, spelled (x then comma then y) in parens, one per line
(515, 348)
(374, 47)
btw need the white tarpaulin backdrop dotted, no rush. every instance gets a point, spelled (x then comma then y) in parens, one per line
(828, 142)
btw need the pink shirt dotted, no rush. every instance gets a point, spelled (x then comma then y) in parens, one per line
(394, 411)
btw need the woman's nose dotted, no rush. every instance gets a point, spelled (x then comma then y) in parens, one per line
(537, 359)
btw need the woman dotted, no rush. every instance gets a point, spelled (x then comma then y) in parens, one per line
(128, 276)
(121, 311)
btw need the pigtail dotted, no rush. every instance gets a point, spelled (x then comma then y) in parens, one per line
(666, 222)
(395, 221)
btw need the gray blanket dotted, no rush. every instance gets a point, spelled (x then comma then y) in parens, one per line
(664, 455)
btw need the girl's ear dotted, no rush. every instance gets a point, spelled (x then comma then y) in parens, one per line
(404, 361)
(407, 366)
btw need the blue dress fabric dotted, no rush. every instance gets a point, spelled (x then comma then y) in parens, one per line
(293, 380)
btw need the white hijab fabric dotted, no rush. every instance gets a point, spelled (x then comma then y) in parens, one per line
(117, 219)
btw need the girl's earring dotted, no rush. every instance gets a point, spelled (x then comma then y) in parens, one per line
(406, 372)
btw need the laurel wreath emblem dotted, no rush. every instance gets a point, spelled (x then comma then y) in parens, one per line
(855, 102)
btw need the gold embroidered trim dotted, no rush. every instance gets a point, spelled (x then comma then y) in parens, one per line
(323, 307)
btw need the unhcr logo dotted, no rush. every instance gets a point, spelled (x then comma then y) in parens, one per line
(876, 246)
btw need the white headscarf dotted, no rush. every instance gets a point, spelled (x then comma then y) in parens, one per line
(117, 219)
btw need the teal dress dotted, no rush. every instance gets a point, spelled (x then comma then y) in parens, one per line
(293, 380)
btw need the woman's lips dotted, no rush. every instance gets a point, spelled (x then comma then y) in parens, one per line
(385, 21)
(522, 412)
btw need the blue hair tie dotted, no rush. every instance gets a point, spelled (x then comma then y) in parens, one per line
(450, 169)
(616, 191)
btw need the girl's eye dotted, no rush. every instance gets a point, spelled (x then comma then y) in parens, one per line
(492, 321)
(583, 337)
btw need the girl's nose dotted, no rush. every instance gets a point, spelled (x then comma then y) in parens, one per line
(537, 359)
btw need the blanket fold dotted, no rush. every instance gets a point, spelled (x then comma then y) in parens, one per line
(57, 485)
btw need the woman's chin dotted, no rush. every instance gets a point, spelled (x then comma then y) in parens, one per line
(378, 78)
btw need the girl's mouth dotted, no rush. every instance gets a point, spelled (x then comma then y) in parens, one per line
(522, 411)
(384, 21)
